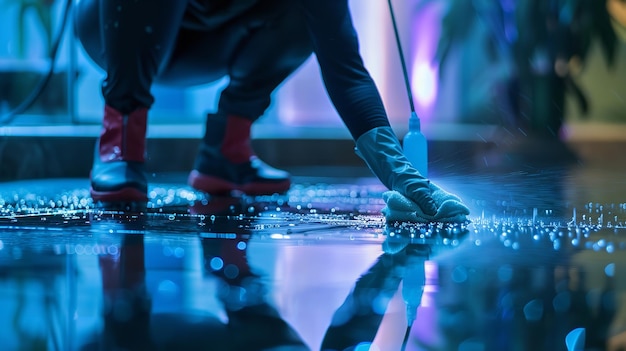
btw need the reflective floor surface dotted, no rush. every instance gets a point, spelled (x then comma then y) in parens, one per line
(318, 268)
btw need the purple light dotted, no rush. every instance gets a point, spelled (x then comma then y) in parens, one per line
(424, 71)
(424, 83)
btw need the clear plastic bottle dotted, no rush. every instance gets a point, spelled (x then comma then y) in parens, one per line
(415, 146)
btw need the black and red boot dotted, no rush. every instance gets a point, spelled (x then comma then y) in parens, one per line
(118, 173)
(227, 163)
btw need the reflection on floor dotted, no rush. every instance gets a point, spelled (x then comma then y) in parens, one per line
(317, 268)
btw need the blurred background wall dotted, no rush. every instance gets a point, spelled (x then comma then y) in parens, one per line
(464, 95)
(467, 97)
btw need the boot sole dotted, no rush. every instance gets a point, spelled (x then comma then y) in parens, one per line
(217, 186)
(121, 195)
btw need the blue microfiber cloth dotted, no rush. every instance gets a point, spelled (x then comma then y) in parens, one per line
(450, 208)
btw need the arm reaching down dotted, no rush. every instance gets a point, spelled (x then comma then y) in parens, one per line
(381, 150)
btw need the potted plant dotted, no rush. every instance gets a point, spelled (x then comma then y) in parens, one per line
(545, 44)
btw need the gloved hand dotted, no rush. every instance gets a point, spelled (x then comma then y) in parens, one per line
(381, 150)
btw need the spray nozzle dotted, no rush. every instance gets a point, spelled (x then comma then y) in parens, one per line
(414, 122)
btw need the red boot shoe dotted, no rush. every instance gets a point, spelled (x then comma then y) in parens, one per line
(226, 161)
(117, 174)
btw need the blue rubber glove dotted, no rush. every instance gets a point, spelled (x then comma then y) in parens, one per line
(381, 150)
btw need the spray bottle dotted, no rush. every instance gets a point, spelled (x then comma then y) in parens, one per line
(414, 143)
(415, 146)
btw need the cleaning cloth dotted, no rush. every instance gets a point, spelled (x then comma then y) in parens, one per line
(450, 208)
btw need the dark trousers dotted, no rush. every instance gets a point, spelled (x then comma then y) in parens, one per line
(142, 42)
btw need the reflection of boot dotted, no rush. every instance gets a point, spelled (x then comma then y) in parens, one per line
(253, 323)
(118, 166)
(226, 161)
(127, 306)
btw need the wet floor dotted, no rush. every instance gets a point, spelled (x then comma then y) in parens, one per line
(543, 257)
